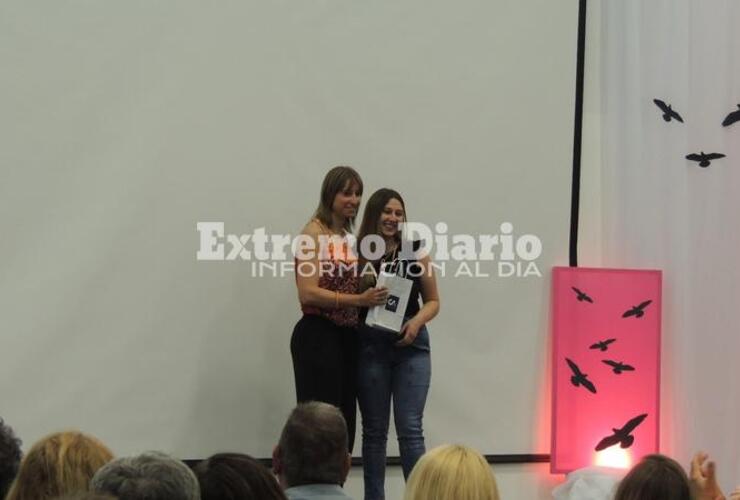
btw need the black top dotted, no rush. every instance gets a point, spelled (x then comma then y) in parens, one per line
(407, 266)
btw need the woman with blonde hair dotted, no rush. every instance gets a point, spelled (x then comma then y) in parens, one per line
(324, 341)
(59, 464)
(452, 472)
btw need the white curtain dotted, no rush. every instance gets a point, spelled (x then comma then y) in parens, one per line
(663, 211)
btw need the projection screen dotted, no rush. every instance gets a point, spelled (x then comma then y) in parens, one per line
(126, 124)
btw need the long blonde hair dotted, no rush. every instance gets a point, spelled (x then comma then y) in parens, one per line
(452, 471)
(59, 464)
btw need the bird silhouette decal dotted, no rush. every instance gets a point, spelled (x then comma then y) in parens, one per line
(704, 159)
(581, 296)
(602, 345)
(732, 117)
(637, 311)
(579, 378)
(618, 367)
(622, 436)
(668, 112)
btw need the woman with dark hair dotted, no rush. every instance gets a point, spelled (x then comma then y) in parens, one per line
(234, 476)
(656, 477)
(90, 495)
(10, 457)
(324, 341)
(394, 367)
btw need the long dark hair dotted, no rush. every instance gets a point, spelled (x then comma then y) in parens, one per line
(656, 477)
(335, 181)
(373, 210)
(10, 457)
(236, 476)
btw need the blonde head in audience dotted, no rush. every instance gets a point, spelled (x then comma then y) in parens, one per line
(59, 464)
(452, 471)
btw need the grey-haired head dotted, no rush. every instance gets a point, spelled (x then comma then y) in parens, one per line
(150, 476)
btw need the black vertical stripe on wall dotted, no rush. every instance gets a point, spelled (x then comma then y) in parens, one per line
(575, 194)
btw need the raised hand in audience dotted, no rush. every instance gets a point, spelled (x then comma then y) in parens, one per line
(703, 477)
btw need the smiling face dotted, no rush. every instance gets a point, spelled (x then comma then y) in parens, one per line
(347, 201)
(384, 211)
(340, 198)
(390, 217)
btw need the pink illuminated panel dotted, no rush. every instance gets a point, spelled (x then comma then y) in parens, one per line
(606, 366)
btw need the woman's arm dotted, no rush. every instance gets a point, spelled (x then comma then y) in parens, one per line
(430, 307)
(307, 281)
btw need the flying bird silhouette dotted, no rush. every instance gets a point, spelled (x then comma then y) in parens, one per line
(618, 367)
(668, 112)
(704, 159)
(637, 311)
(579, 378)
(582, 296)
(623, 435)
(602, 345)
(732, 117)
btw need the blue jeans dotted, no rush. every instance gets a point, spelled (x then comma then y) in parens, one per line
(399, 373)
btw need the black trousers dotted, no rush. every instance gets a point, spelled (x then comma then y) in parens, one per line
(325, 366)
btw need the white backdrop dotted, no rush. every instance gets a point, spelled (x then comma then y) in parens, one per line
(124, 124)
(663, 211)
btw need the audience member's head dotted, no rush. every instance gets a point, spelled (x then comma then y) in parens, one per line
(312, 447)
(656, 477)
(233, 476)
(150, 476)
(451, 471)
(10, 457)
(90, 495)
(60, 464)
